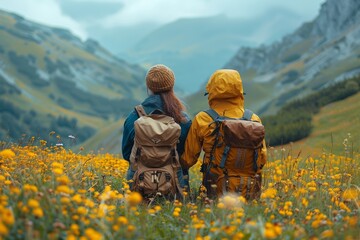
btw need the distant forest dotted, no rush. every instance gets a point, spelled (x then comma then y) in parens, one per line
(294, 120)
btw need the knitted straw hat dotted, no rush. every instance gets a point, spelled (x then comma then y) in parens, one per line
(160, 78)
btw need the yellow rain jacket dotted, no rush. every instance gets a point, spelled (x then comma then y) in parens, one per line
(226, 97)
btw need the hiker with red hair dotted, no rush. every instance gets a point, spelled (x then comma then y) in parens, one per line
(154, 136)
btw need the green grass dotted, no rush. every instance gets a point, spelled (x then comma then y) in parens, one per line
(337, 69)
(107, 139)
(331, 126)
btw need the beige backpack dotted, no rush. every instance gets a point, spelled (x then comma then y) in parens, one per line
(154, 157)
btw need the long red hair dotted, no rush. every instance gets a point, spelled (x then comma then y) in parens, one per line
(173, 106)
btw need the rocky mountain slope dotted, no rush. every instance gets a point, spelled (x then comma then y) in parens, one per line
(319, 53)
(51, 80)
(323, 51)
(195, 47)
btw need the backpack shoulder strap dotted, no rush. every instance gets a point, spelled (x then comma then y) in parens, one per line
(140, 110)
(247, 114)
(212, 113)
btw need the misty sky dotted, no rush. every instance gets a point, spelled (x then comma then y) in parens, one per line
(119, 24)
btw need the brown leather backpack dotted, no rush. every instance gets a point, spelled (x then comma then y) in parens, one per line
(233, 165)
(154, 157)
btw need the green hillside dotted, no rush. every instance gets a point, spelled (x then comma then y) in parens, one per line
(332, 125)
(108, 139)
(50, 80)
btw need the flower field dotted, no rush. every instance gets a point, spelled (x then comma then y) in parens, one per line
(54, 193)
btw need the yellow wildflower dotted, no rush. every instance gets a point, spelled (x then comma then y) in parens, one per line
(91, 234)
(327, 234)
(351, 194)
(32, 203)
(151, 211)
(3, 230)
(71, 237)
(304, 202)
(8, 217)
(2, 178)
(238, 236)
(134, 198)
(131, 228)
(77, 198)
(122, 220)
(58, 171)
(157, 208)
(63, 189)
(38, 212)
(343, 206)
(269, 193)
(272, 231)
(81, 210)
(63, 180)
(7, 154)
(65, 200)
(221, 205)
(75, 229)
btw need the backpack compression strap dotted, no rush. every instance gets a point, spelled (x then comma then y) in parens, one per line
(214, 115)
(140, 110)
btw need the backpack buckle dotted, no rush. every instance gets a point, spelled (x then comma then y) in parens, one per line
(167, 177)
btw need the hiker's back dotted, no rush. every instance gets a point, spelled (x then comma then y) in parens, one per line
(154, 156)
(225, 95)
(232, 167)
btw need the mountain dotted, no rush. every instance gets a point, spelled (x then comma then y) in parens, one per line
(195, 47)
(315, 55)
(50, 80)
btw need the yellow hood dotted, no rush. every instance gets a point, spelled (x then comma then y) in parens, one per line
(225, 84)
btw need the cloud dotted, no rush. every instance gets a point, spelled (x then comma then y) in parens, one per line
(83, 17)
(46, 12)
(136, 12)
(158, 11)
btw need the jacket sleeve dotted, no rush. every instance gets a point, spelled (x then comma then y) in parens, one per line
(128, 135)
(193, 145)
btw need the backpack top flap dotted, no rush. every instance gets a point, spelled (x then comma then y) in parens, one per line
(156, 130)
(241, 133)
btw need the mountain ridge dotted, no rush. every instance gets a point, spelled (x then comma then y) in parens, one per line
(195, 47)
(313, 56)
(299, 63)
(61, 81)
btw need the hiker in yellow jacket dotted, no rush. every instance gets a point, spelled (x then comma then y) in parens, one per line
(242, 170)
